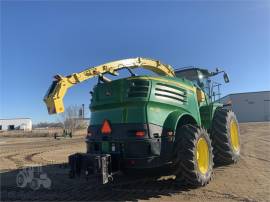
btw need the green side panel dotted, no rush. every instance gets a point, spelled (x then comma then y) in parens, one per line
(135, 114)
(158, 112)
(113, 115)
(207, 113)
(213, 106)
(125, 113)
(173, 118)
(166, 99)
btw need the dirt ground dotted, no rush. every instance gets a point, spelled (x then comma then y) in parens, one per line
(248, 180)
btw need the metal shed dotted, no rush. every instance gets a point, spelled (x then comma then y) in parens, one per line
(250, 106)
(16, 124)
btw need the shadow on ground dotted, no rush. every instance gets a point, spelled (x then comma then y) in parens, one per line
(54, 184)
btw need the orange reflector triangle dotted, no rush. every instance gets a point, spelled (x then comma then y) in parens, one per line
(106, 128)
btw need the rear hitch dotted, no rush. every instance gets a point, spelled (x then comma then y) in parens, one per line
(96, 166)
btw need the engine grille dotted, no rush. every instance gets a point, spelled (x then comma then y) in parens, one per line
(172, 93)
(138, 88)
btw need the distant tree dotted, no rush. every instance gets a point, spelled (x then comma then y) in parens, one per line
(71, 120)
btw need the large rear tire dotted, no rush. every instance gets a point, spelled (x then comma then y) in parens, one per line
(225, 137)
(194, 158)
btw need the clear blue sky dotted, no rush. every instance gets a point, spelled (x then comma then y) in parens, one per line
(41, 39)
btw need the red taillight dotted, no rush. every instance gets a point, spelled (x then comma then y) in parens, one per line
(89, 134)
(140, 134)
(106, 128)
(170, 133)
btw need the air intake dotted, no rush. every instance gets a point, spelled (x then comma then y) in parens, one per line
(171, 93)
(138, 88)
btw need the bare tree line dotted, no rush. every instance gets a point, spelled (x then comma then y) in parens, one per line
(68, 120)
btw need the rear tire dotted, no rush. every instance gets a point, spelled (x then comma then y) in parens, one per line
(21, 179)
(225, 137)
(194, 158)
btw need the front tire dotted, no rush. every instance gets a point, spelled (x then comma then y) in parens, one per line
(194, 156)
(225, 137)
(35, 184)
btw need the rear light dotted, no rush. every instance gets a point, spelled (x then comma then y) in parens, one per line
(89, 134)
(113, 147)
(106, 128)
(170, 133)
(140, 133)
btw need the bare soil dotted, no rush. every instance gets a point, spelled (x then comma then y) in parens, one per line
(248, 180)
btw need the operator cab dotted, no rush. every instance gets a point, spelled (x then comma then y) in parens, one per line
(201, 77)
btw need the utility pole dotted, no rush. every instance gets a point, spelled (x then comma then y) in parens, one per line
(83, 111)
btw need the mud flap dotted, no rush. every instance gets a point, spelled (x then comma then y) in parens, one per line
(97, 166)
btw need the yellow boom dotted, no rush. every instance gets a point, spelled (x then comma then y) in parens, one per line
(54, 96)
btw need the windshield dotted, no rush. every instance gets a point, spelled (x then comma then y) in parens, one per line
(195, 77)
(191, 75)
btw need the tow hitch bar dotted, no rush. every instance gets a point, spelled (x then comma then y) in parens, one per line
(97, 166)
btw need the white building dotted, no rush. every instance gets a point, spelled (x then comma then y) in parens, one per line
(16, 124)
(251, 106)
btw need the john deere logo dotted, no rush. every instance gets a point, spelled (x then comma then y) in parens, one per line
(35, 177)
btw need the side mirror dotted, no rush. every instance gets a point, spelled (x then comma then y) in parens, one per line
(226, 78)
